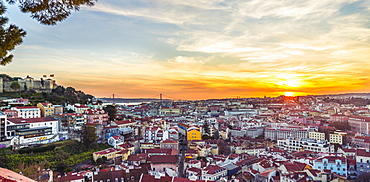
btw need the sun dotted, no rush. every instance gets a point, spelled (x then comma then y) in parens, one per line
(289, 94)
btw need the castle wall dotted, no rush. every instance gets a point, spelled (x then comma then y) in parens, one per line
(29, 84)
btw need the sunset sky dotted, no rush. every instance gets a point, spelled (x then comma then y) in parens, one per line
(202, 49)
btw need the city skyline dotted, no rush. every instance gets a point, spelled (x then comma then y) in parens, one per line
(201, 49)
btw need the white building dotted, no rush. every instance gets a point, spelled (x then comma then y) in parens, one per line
(77, 108)
(28, 112)
(33, 130)
(155, 134)
(294, 144)
(213, 173)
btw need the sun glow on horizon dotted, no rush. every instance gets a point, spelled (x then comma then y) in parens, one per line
(289, 94)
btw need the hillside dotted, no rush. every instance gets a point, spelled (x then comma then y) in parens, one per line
(58, 95)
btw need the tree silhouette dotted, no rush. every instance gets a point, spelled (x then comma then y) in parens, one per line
(46, 12)
(10, 36)
(112, 111)
(15, 86)
(89, 136)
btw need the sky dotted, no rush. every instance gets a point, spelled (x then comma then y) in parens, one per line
(201, 49)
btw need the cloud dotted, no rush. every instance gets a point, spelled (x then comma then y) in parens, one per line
(208, 48)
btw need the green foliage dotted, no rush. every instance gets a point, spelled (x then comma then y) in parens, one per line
(202, 158)
(46, 12)
(6, 77)
(206, 127)
(261, 137)
(53, 11)
(223, 148)
(59, 95)
(10, 37)
(341, 125)
(63, 156)
(37, 149)
(89, 136)
(112, 111)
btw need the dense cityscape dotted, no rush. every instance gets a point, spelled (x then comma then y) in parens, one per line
(285, 138)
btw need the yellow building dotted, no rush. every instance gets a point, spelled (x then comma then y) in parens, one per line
(111, 153)
(149, 146)
(316, 135)
(47, 109)
(168, 111)
(193, 133)
(337, 137)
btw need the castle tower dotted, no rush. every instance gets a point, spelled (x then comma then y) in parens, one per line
(49, 85)
(30, 82)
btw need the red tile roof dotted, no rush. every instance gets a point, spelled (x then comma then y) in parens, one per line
(8, 175)
(155, 159)
(27, 107)
(31, 120)
(213, 169)
(150, 178)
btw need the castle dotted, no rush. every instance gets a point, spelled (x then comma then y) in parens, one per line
(28, 84)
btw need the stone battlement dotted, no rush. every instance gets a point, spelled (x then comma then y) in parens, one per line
(28, 84)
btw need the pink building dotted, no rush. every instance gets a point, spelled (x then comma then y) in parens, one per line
(10, 113)
(360, 124)
(161, 163)
(96, 116)
(338, 118)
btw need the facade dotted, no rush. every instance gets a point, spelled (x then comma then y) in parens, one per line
(277, 133)
(96, 116)
(109, 153)
(292, 144)
(155, 134)
(169, 144)
(316, 135)
(163, 163)
(247, 132)
(58, 109)
(16, 101)
(10, 113)
(71, 121)
(360, 124)
(28, 112)
(333, 163)
(363, 160)
(32, 130)
(77, 108)
(193, 133)
(125, 124)
(337, 137)
(213, 173)
(47, 109)
(338, 118)
(361, 141)
(170, 111)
